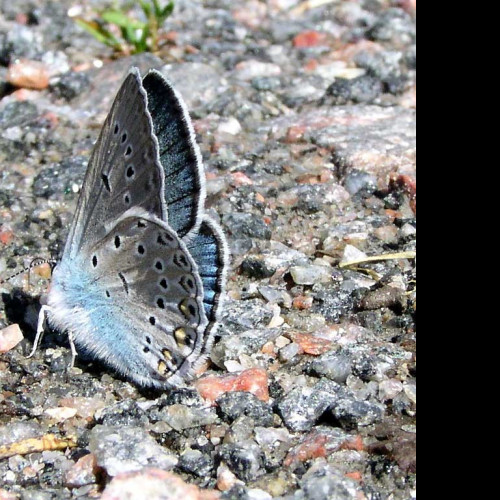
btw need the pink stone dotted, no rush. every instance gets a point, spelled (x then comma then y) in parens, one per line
(254, 381)
(28, 75)
(309, 39)
(154, 483)
(84, 472)
(10, 337)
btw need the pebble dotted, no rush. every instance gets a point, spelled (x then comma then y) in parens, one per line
(196, 463)
(336, 366)
(236, 404)
(83, 472)
(26, 74)
(302, 407)
(254, 381)
(245, 460)
(386, 296)
(324, 481)
(310, 275)
(121, 450)
(153, 483)
(181, 417)
(248, 70)
(362, 89)
(10, 337)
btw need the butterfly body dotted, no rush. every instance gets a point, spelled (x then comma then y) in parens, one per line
(142, 274)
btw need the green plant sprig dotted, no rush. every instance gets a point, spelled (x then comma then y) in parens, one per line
(136, 36)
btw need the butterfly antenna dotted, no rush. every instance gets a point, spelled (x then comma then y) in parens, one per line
(34, 263)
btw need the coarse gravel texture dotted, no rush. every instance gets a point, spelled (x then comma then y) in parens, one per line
(306, 119)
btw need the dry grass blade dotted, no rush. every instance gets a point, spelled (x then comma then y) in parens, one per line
(379, 258)
(49, 442)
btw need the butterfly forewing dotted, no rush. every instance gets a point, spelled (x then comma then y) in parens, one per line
(179, 154)
(124, 170)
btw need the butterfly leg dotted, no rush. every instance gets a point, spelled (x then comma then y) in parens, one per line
(74, 353)
(40, 329)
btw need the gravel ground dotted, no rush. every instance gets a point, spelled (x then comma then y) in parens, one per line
(306, 119)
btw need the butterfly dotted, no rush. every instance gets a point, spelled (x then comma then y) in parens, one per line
(141, 279)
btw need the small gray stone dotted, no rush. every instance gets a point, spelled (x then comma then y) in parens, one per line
(18, 431)
(181, 417)
(128, 449)
(289, 352)
(325, 481)
(336, 366)
(246, 225)
(352, 413)
(310, 275)
(363, 89)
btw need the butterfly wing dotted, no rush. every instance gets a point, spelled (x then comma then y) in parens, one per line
(179, 154)
(209, 250)
(124, 170)
(137, 299)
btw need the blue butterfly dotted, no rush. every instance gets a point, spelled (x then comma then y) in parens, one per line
(140, 282)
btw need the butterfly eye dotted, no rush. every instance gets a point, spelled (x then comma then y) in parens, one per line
(124, 138)
(94, 261)
(128, 152)
(118, 242)
(141, 249)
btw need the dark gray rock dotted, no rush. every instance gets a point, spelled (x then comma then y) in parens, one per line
(60, 178)
(303, 406)
(196, 463)
(352, 413)
(363, 89)
(236, 404)
(394, 26)
(245, 459)
(126, 413)
(18, 114)
(246, 225)
(70, 85)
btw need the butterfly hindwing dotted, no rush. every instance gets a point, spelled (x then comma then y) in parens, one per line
(144, 302)
(179, 154)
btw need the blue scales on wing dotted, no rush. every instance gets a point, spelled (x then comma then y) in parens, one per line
(179, 154)
(209, 250)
